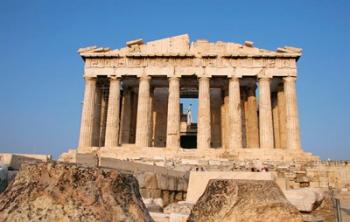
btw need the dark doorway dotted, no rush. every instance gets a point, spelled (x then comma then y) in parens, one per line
(189, 141)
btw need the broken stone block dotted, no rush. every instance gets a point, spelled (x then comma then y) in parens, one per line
(305, 199)
(243, 200)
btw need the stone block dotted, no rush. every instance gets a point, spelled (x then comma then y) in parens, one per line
(162, 181)
(281, 182)
(315, 184)
(324, 184)
(149, 193)
(178, 196)
(190, 161)
(181, 207)
(165, 195)
(175, 217)
(304, 199)
(147, 180)
(199, 180)
(241, 200)
(87, 159)
(182, 184)
(159, 217)
(14, 161)
(172, 183)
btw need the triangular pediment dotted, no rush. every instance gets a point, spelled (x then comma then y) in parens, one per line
(180, 46)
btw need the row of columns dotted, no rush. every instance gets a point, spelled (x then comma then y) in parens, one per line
(286, 121)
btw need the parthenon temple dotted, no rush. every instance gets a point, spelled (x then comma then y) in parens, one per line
(247, 102)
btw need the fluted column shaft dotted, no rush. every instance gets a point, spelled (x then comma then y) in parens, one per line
(173, 119)
(142, 122)
(282, 116)
(87, 117)
(126, 117)
(265, 114)
(275, 119)
(252, 118)
(292, 116)
(224, 120)
(204, 130)
(112, 125)
(235, 118)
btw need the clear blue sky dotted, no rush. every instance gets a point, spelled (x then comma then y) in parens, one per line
(41, 73)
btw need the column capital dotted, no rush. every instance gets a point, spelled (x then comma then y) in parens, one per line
(145, 78)
(90, 78)
(234, 78)
(114, 78)
(289, 78)
(204, 78)
(264, 78)
(174, 78)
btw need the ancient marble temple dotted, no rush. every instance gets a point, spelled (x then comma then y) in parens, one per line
(246, 96)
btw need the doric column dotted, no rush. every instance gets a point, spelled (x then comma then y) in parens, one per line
(150, 118)
(275, 119)
(292, 117)
(103, 118)
(125, 117)
(252, 125)
(173, 120)
(265, 114)
(235, 118)
(87, 117)
(244, 116)
(97, 116)
(282, 115)
(224, 120)
(204, 131)
(142, 124)
(215, 120)
(112, 125)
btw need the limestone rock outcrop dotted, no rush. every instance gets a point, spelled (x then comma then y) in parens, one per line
(243, 201)
(66, 192)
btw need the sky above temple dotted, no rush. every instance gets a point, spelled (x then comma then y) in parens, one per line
(41, 73)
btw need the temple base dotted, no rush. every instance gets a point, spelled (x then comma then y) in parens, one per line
(147, 154)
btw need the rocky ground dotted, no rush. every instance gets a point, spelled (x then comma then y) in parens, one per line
(64, 192)
(69, 192)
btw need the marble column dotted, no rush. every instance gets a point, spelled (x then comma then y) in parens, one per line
(292, 117)
(87, 118)
(235, 116)
(134, 102)
(150, 118)
(97, 114)
(282, 115)
(204, 131)
(215, 117)
(173, 120)
(252, 125)
(244, 116)
(126, 117)
(142, 124)
(265, 114)
(224, 120)
(103, 118)
(112, 125)
(276, 122)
